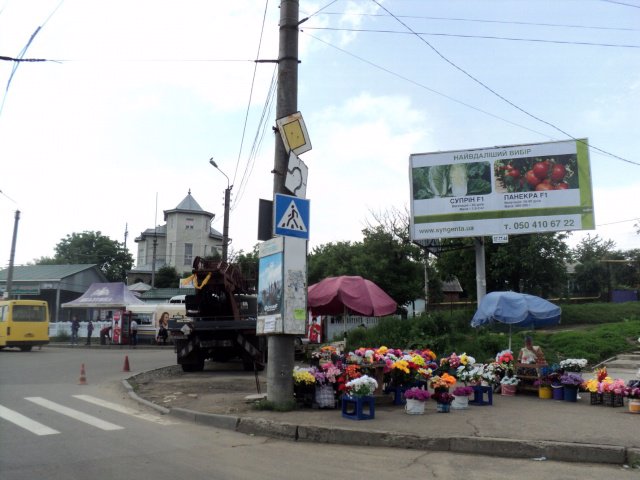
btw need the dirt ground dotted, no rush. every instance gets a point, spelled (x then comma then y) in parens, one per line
(221, 388)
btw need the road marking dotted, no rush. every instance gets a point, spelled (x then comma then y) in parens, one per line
(25, 422)
(126, 410)
(75, 414)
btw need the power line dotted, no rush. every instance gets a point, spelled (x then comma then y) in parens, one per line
(478, 20)
(444, 95)
(622, 3)
(486, 37)
(501, 97)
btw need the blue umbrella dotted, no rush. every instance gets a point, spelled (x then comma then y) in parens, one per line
(514, 308)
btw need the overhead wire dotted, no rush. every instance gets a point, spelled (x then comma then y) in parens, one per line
(253, 81)
(478, 20)
(414, 82)
(486, 37)
(622, 3)
(23, 53)
(501, 97)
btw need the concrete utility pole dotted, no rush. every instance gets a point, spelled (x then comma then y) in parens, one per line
(281, 348)
(227, 203)
(7, 291)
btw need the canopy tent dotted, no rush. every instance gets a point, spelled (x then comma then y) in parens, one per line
(337, 295)
(514, 308)
(105, 295)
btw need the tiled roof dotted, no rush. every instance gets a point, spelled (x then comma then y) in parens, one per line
(44, 272)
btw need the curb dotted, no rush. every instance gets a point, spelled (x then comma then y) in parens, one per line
(495, 447)
(488, 446)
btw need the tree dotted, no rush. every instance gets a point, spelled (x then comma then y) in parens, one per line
(591, 273)
(93, 247)
(167, 277)
(533, 264)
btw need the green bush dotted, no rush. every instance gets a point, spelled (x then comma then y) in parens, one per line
(450, 331)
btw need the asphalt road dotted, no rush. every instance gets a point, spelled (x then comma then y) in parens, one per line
(51, 427)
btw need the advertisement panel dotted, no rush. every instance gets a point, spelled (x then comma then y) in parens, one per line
(509, 190)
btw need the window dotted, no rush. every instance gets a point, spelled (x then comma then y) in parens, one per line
(188, 223)
(29, 313)
(188, 253)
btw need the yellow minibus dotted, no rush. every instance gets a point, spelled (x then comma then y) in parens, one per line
(24, 323)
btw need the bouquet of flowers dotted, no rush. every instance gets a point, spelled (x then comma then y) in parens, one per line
(571, 379)
(303, 376)
(632, 392)
(444, 382)
(505, 359)
(416, 393)
(510, 381)
(617, 387)
(362, 386)
(451, 362)
(443, 397)
(462, 391)
(573, 364)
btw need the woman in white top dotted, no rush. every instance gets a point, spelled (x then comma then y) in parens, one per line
(531, 353)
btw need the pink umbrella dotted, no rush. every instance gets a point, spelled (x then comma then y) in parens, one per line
(335, 295)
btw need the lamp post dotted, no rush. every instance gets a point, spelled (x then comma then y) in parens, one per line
(227, 200)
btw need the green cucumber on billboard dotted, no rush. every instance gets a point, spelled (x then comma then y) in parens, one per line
(509, 190)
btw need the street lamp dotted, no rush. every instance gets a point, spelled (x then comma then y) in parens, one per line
(227, 200)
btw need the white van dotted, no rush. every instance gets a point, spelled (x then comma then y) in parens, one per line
(147, 317)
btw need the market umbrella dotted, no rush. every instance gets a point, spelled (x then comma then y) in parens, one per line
(335, 295)
(514, 308)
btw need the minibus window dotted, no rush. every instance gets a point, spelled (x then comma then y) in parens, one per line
(29, 313)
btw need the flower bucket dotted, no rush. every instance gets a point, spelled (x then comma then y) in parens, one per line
(634, 405)
(610, 399)
(508, 390)
(460, 403)
(398, 395)
(570, 393)
(414, 407)
(557, 392)
(325, 398)
(545, 392)
(442, 407)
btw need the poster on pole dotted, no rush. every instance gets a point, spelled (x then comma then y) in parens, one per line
(509, 190)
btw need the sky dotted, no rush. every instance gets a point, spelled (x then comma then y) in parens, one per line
(135, 97)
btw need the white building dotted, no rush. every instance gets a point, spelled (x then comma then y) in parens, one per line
(186, 235)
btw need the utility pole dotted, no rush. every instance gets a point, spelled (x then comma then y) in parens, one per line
(7, 291)
(281, 348)
(227, 203)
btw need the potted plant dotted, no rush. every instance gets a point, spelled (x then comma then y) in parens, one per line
(461, 397)
(573, 364)
(508, 385)
(443, 401)
(415, 397)
(571, 381)
(633, 392)
(359, 403)
(303, 386)
(613, 393)
(544, 387)
(325, 389)
(442, 383)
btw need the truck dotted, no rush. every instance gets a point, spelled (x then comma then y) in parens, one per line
(221, 318)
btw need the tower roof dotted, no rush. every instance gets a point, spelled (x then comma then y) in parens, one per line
(188, 205)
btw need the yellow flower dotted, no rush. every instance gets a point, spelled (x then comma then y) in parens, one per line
(464, 359)
(382, 350)
(592, 385)
(401, 365)
(417, 359)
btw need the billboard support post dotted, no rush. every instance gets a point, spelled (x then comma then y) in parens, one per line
(481, 275)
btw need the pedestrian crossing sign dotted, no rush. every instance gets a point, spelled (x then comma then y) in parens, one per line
(291, 216)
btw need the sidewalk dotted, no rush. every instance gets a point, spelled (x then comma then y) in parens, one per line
(522, 426)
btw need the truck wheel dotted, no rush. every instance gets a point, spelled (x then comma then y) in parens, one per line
(26, 348)
(198, 366)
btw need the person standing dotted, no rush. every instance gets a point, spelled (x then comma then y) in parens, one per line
(134, 332)
(75, 326)
(89, 331)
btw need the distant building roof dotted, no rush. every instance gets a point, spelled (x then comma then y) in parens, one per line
(452, 286)
(188, 205)
(140, 287)
(166, 293)
(50, 273)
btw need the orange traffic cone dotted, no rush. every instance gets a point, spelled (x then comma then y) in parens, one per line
(126, 364)
(83, 376)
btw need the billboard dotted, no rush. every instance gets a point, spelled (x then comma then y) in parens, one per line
(509, 190)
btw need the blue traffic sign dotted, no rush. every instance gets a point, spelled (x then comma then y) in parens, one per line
(291, 216)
